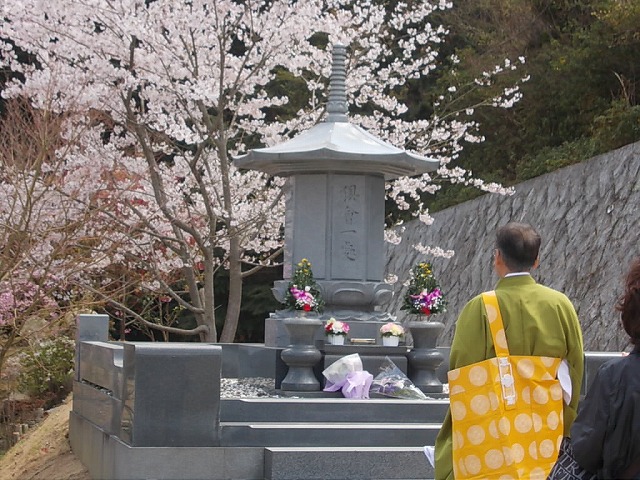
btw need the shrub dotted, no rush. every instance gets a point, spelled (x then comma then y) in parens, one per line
(47, 370)
(550, 159)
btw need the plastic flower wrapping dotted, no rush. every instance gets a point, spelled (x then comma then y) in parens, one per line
(391, 329)
(346, 374)
(303, 292)
(336, 327)
(424, 296)
(392, 382)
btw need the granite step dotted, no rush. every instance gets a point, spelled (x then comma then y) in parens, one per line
(346, 463)
(327, 434)
(336, 409)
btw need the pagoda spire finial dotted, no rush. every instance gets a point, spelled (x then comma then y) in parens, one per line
(337, 105)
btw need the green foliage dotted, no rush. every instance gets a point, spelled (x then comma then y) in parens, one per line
(257, 303)
(580, 101)
(565, 12)
(47, 369)
(617, 126)
(553, 158)
(285, 84)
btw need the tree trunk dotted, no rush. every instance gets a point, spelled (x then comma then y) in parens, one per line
(207, 300)
(235, 293)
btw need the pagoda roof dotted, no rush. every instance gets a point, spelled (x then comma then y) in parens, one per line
(335, 145)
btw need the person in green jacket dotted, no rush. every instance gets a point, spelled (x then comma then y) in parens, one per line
(538, 321)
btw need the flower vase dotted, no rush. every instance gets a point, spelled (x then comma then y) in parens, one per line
(302, 355)
(335, 339)
(390, 341)
(424, 358)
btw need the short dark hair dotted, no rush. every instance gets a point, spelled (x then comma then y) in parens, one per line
(629, 303)
(519, 245)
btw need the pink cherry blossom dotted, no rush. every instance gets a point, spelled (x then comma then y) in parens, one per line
(165, 93)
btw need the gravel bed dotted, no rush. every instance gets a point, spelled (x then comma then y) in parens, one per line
(258, 387)
(250, 387)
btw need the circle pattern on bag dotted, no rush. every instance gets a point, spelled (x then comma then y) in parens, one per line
(478, 376)
(547, 448)
(480, 404)
(525, 368)
(556, 392)
(540, 395)
(476, 434)
(473, 465)
(458, 410)
(553, 420)
(492, 313)
(494, 459)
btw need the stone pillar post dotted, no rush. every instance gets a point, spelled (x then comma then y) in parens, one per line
(89, 328)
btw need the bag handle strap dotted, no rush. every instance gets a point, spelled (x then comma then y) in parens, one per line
(494, 317)
(495, 323)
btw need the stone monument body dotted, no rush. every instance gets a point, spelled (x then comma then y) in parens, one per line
(335, 211)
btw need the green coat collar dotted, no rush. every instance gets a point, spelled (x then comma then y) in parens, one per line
(517, 281)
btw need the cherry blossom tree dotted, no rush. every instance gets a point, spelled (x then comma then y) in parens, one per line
(44, 239)
(173, 90)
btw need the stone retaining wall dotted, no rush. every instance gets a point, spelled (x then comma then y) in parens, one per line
(588, 215)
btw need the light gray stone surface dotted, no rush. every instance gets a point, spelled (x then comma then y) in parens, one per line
(108, 458)
(338, 463)
(90, 327)
(97, 406)
(101, 364)
(249, 360)
(172, 395)
(329, 434)
(588, 215)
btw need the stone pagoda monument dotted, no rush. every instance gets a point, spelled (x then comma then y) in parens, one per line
(335, 208)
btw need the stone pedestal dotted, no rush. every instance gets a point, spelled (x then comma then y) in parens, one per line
(277, 335)
(302, 355)
(424, 358)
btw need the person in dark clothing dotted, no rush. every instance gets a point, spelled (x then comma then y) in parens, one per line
(606, 434)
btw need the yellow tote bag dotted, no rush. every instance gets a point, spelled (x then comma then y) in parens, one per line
(506, 412)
